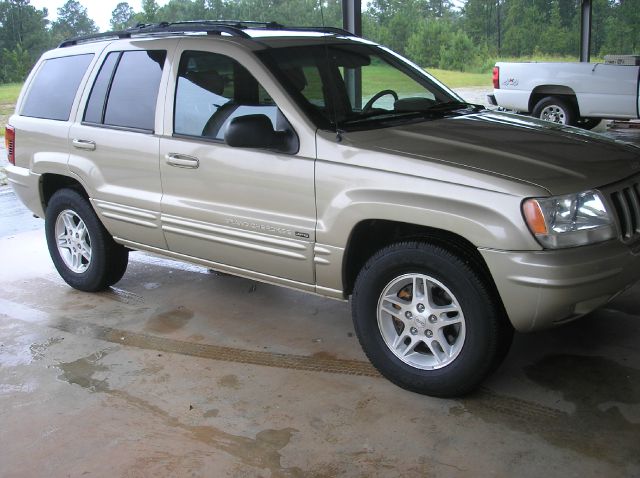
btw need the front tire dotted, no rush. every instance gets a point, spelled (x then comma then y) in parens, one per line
(83, 252)
(426, 320)
(556, 110)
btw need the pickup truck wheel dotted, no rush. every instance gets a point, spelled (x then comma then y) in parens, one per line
(83, 252)
(426, 320)
(556, 110)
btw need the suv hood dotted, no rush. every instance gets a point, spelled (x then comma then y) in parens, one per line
(557, 158)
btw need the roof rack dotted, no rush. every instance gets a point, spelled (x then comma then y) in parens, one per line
(210, 27)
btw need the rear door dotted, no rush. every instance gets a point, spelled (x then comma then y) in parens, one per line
(114, 142)
(250, 210)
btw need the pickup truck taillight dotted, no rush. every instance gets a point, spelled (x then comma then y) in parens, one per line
(10, 143)
(496, 77)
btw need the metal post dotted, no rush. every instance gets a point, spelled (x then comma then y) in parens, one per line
(585, 31)
(352, 21)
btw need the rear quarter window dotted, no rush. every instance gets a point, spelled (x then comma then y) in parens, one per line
(125, 91)
(55, 86)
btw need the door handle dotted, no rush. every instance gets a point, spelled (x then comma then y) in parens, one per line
(182, 161)
(84, 144)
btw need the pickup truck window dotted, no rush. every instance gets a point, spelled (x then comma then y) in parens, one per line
(54, 87)
(212, 90)
(127, 96)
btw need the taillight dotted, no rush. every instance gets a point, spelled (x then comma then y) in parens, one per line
(496, 77)
(10, 143)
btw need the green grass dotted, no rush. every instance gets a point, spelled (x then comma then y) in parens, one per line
(9, 93)
(8, 97)
(377, 78)
(459, 79)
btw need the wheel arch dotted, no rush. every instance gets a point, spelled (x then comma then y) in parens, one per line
(51, 183)
(564, 92)
(371, 235)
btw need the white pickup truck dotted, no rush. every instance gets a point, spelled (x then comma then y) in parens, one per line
(577, 94)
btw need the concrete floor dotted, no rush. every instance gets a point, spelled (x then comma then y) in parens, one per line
(180, 372)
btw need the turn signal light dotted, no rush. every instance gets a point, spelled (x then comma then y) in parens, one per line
(10, 143)
(534, 217)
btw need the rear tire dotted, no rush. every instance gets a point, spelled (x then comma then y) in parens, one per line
(427, 321)
(556, 110)
(83, 252)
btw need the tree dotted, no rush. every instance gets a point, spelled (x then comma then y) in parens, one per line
(72, 21)
(23, 38)
(149, 12)
(122, 17)
(425, 44)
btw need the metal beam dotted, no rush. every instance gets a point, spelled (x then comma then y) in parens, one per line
(585, 31)
(352, 16)
(352, 21)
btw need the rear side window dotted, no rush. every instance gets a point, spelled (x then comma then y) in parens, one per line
(95, 106)
(126, 89)
(54, 87)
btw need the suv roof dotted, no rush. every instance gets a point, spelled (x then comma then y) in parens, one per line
(241, 29)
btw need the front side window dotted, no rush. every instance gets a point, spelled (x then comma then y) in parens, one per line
(214, 89)
(125, 91)
(357, 86)
(55, 86)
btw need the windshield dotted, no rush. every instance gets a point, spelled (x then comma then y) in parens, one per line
(357, 86)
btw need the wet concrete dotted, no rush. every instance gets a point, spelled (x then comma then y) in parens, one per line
(14, 217)
(180, 372)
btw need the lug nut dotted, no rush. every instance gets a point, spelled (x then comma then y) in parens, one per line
(408, 315)
(420, 308)
(433, 319)
(413, 330)
(428, 333)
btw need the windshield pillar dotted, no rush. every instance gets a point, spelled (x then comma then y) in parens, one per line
(352, 22)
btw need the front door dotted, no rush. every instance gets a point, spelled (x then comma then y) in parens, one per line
(247, 209)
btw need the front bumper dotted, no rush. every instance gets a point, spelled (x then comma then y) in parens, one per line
(545, 288)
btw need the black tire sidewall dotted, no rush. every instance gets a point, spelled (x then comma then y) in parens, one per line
(477, 357)
(96, 276)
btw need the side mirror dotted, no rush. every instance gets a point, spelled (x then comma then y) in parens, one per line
(256, 131)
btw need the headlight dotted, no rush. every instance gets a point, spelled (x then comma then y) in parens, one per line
(568, 221)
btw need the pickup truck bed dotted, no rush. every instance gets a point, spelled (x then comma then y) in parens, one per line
(580, 90)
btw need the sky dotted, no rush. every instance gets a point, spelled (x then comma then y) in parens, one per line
(99, 10)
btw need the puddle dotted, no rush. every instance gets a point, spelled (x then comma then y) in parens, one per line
(597, 387)
(229, 381)
(80, 372)
(170, 321)
(263, 451)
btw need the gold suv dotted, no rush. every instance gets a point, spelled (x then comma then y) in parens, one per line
(317, 160)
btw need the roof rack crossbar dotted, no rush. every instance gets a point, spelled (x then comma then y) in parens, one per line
(211, 27)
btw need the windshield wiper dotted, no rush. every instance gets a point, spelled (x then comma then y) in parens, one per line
(392, 116)
(454, 105)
